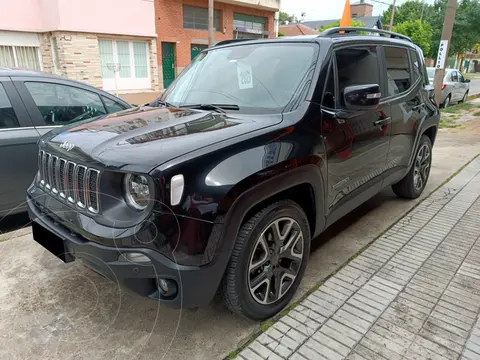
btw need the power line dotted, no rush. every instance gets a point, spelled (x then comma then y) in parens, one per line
(381, 2)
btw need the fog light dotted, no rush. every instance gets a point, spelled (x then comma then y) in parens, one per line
(167, 287)
(163, 285)
(134, 257)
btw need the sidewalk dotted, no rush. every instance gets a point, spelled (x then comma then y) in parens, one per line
(413, 294)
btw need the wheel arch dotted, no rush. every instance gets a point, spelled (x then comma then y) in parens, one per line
(304, 178)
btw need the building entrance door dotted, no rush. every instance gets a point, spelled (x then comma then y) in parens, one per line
(168, 63)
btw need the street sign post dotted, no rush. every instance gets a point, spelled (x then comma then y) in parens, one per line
(442, 54)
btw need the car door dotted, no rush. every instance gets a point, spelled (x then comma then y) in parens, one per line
(18, 150)
(406, 108)
(53, 103)
(456, 87)
(463, 86)
(356, 140)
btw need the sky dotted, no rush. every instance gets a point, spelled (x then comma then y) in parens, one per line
(328, 9)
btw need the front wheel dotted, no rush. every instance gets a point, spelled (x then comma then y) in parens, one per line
(268, 261)
(412, 185)
(465, 97)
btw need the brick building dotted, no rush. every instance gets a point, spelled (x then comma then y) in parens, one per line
(182, 25)
(135, 46)
(83, 40)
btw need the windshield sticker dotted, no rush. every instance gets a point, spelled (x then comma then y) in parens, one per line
(244, 76)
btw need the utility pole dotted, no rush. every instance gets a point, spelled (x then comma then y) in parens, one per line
(423, 8)
(444, 48)
(393, 15)
(210, 23)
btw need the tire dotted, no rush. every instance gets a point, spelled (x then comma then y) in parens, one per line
(238, 285)
(409, 187)
(465, 97)
(447, 101)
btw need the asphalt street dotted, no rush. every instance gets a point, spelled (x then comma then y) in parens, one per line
(475, 87)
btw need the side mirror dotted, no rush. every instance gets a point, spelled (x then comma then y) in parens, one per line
(466, 80)
(362, 97)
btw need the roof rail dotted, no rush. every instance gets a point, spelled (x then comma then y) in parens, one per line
(337, 30)
(225, 42)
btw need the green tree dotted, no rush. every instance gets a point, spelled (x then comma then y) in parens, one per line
(283, 17)
(419, 31)
(466, 28)
(410, 10)
(354, 23)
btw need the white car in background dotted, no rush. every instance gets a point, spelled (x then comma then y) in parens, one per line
(454, 88)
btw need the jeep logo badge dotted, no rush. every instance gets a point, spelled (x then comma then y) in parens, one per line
(67, 146)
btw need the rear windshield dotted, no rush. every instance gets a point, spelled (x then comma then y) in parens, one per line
(257, 78)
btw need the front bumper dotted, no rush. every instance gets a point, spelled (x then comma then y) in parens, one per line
(196, 285)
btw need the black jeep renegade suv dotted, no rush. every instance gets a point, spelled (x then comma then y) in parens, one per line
(253, 151)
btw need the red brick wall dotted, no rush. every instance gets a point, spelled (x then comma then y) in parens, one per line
(169, 26)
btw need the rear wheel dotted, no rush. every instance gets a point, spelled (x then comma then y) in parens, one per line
(268, 261)
(412, 185)
(446, 102)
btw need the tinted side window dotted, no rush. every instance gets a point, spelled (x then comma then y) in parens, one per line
(454, 76)
(398, 70)
(415, 65)
(357, 66)
(112, 106)
(8, 119)
(329, 93)
(62, 104)
(461, 78)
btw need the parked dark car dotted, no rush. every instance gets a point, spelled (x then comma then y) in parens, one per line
(31, 104)
(252, 152)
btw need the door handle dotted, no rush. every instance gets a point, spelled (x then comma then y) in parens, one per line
(382, 122)
(418, 107)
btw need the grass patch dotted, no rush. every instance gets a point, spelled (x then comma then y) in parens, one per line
(266, 325)
(447, 123)
(477, 113)
(465, 107)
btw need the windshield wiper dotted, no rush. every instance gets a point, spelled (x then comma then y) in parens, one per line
(159, 102)
(218, 107)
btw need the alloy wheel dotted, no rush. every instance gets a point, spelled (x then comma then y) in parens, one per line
(275, 260)
(422, 167)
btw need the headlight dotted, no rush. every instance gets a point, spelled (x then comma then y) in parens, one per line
(137, 191)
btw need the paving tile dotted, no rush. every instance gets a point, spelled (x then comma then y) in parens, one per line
(331, 344)
(297, 356)
(249, 354)
(351, 321)
(338, 336)
(368, 354)
(441, 336)
(380, 349)
(403, 319)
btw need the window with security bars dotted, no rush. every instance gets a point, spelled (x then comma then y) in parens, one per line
(196, 18)
(26, 57)
(249, 22)
(130, 56)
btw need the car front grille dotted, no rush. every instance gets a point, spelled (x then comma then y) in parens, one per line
(69, 181)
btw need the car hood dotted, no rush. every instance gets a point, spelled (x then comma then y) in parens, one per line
(148, 136)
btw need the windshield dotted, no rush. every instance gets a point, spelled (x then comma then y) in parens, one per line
(431, 72)
(257, 78)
